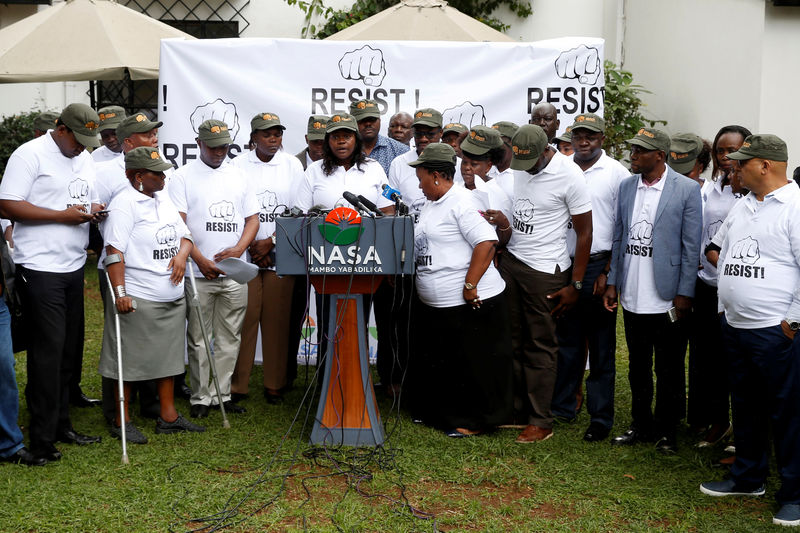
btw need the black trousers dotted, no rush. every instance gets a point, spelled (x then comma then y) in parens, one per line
(392, 307)
(652, 337)
(53, 305)
(708, 378)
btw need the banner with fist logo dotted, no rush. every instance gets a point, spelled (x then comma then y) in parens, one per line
(471, 83)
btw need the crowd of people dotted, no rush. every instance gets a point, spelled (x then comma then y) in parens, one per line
(525, 245)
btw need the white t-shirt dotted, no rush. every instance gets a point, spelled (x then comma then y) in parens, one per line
(404, 178)
(639, 294)
(759, 263)
(603, 179)
(37, 172)
(275, 184)
(717, 203)
(216, 202)
(543, 204)
(318, 189)
(104, 154)
(447, 232)
(148, 232)
(505, 179)
(111, 179)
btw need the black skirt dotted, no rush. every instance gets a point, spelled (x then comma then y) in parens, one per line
(461, 368)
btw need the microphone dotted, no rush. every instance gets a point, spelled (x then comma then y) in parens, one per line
(353, 199)
(395, 196)
(369, 205)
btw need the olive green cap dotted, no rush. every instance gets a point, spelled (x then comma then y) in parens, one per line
(481, 139)
(762, 146)
(342, 121)
(683, 151)
(138, 123)
(589, 121)
(265, 121)
(84, 123)
(651, 139)
(454, 127)
(214, 133)
(110, 117)
(527, 146)
(146, 157)
(317, 126)
(566, 136)
(362, 109)
(45, 121)
(427, 117)
(506, 128)
(435, 153)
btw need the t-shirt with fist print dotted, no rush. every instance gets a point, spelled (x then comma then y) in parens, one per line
(216, 202)
(39, 173)
(148, 232)
(639, 294)
(717, 203)
(759, 261)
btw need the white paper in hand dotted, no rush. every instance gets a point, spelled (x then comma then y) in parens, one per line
(238, 270)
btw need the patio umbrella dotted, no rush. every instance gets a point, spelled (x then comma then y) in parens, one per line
(81, 40)
(420, 20)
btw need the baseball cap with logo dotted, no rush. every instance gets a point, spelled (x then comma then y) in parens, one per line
(589, 121)
(45, 121)
(138, 123)
(683, 151)
(527, 146)
(146, 157)
(110, 117)
(317, 125)
(362, 109)
(436, 153)
(341, 121)
(506, 128)
(566, 136)
(454, 127)
(214, 133)
(265, 121)
(762, 146)
(651, 139)
(427, 117)
(84, 123)
(481, 139)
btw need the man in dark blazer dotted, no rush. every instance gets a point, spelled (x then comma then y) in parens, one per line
(654, 262)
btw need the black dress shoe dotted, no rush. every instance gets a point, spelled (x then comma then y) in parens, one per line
(237, 397)
(47, 451)
(632, 436)
(596, 432)
(71, 436)
(81, 400)
(24, 457)
(667, 445)
(272, 397)
(198, 410)
(232, 407)
(182, 390)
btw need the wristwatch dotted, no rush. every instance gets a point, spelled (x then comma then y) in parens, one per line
(469, 286)
(793, 325)
(578, 284)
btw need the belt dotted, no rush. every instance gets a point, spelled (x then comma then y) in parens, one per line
(599, 256)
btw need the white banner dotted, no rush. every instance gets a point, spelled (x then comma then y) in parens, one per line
(471, 83)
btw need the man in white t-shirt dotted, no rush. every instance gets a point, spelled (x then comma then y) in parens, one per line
(653, 268)
(541, 282)
(48, 191)
(759, 281)
(221, 211)
(110, 117)
(589, 323)
(501, 168)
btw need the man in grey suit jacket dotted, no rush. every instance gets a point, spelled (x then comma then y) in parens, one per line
(654, 263)
(314, 137)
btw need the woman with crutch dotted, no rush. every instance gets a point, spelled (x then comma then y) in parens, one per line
(147, 246)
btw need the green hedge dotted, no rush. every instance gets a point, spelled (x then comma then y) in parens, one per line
(14, 131)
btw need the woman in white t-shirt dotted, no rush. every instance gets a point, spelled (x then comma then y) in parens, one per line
(462, 341)
(147, 244)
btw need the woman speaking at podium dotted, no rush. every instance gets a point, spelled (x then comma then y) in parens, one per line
(461, 346)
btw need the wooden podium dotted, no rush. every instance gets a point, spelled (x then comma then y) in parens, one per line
(345, 256)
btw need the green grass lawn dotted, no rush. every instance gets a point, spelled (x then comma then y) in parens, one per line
(262, 475)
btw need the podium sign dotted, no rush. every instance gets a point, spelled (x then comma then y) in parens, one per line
(346, 256)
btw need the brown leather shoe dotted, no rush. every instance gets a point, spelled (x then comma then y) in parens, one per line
(534, 434)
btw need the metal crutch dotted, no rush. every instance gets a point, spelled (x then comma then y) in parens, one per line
(195, 302)
(121, 388)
